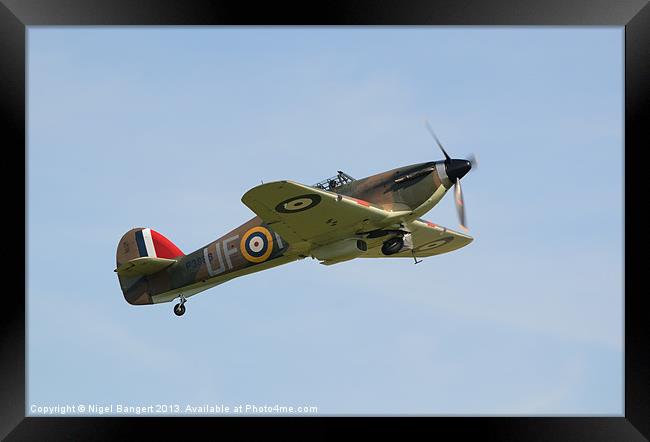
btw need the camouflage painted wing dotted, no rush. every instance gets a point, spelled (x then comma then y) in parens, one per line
(429, 239)
(306, 216)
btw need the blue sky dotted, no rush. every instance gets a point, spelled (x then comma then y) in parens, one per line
(168, 127)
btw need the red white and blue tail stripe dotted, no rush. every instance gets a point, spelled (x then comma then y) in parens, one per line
(154, 245)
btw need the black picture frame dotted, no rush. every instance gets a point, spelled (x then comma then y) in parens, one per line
(634, 15)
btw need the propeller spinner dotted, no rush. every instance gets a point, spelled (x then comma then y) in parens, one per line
(456, 169)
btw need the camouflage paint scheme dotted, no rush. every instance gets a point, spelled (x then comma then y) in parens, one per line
(255, 246)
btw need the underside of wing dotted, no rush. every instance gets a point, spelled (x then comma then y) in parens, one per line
(308, 217)
(428, 239)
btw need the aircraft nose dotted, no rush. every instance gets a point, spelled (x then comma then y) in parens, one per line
(457, 169)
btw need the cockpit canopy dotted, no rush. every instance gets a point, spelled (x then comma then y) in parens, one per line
(333, 182)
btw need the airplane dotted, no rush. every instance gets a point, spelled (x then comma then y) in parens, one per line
(335, 220)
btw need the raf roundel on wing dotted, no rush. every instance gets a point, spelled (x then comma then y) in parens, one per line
(298, 203)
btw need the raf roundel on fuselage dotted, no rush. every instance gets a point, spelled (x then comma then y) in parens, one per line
(256, 244)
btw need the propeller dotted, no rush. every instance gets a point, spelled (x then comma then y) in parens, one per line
(456, 169)
(460, 204)
(433, 134)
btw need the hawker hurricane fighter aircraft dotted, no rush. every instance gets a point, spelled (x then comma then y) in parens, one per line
(333, 221)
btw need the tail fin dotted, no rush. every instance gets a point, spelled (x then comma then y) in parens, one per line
(142, 243)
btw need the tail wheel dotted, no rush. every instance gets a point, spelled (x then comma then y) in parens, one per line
(179, 309)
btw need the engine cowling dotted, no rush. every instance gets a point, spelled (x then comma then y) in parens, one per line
(345, 249)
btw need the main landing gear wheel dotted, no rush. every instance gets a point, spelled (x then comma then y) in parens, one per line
(179, 309)
(392, 246)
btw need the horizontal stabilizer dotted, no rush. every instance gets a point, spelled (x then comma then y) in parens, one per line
(143, 266)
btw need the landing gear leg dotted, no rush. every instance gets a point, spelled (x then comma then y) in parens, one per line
(179, 309)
